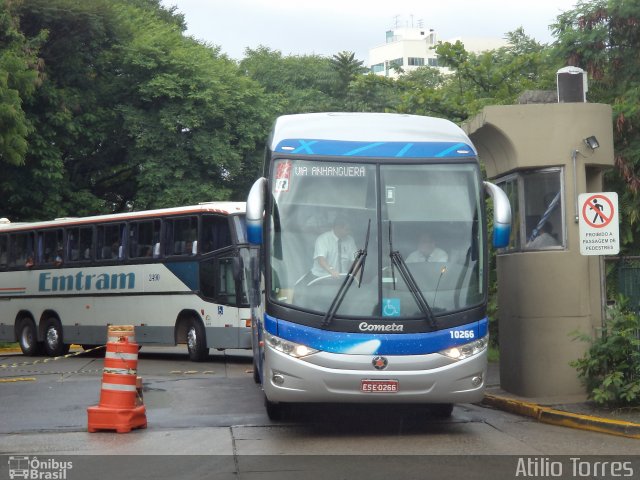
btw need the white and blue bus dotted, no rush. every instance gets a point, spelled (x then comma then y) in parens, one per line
(367, 271)
(175, 274)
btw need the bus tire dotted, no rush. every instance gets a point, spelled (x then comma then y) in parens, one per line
(441, 410)
(28, 337)
(197, 341)
(275, 410)
(54, 345)
(256, 372)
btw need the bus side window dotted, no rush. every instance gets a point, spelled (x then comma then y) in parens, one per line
(180, 234)
(21, 250)
(217, 280)
(110, 241)
(50, 247)
(4, 250)
(79, 244)
(215, 234)
(142, 238)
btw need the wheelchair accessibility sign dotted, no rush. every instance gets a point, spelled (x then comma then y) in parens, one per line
(598, 223)
(390, 307)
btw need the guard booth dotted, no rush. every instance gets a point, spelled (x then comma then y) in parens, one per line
(543, 156)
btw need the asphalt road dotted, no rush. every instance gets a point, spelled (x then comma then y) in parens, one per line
(206, 418)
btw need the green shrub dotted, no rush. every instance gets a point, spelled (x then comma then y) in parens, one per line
(610, 369)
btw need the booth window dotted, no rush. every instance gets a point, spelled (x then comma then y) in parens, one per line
(537, 209)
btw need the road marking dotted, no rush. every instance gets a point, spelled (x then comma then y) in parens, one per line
(17, 379)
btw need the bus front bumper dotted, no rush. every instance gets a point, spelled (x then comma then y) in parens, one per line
(328, 377)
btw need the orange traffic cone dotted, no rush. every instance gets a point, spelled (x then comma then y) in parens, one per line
(120, 407)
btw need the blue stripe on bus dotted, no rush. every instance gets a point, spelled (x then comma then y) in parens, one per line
(187, 272)
(375, 149)
(375, 344)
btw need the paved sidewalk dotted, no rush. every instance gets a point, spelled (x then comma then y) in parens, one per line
(573, 411)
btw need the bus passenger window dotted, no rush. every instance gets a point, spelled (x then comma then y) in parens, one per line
(50, 247)
(216, 233)
(79, 244)
(110, 241)
(142, 238)
(21, 252)
(180, 233)
(4, 250)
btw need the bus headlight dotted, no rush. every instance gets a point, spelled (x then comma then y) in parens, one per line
(293, 349)
(467, 350)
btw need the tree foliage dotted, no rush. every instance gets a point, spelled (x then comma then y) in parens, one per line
(130, 113)
(602, 36)
(495, 77)
(19, 77)
(295, 83)
(610, 369)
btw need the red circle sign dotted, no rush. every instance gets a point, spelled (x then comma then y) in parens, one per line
(600, 218)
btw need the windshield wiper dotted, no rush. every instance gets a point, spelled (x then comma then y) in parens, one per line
(398, 262)
(357, 266)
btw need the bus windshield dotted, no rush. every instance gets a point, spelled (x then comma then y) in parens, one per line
(419, 223)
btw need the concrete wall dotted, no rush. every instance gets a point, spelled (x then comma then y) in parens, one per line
(544, 296)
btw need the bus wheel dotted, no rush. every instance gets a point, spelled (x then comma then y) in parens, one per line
(256, 372)
(53, 341)
(197, 341)
(28, 338)
(275, 410)
(441, 410)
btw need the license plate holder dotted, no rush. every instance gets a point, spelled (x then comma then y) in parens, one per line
(379, 386)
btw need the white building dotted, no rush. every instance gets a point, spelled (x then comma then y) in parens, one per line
(409, 48)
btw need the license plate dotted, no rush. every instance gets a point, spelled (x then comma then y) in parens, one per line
(379, 386)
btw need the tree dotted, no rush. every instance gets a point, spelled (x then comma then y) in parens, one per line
(295, 84)
(495, 77)
(347, 69)
(129, 113)
(18, 80)
(602, 36)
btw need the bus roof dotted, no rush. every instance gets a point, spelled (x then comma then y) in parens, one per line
(226, 208)
(367, 127)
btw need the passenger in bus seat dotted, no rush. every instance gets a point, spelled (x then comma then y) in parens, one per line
(427, 251)
(59, 258)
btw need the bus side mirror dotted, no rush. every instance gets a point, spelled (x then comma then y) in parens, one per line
(255, 211)
(501, 215)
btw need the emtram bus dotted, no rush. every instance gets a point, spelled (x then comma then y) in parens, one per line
(172, 273)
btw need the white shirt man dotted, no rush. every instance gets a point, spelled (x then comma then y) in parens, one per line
(427, 252)
(327, 259)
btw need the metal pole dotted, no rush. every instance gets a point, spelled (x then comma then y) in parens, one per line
(574, 155)
(603, 290)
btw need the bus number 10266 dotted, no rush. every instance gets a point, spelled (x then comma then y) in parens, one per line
(462, 334)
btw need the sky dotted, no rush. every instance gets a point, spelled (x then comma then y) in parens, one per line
(327, 27)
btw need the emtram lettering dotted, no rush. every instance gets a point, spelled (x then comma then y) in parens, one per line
(80, 282)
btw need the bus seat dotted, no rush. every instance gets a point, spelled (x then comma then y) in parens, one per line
(156, 250)
(194, 248)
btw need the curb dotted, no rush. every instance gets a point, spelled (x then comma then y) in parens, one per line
(561, 418)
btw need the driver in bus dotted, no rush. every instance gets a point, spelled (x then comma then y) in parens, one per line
(334, 250)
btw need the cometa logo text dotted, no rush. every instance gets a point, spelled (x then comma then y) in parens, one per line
(81, 282)
(368, 327)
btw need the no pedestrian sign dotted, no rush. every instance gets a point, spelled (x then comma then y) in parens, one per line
(598, 223)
